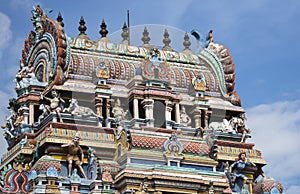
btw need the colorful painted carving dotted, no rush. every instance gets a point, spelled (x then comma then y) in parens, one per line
(55, 103)
(171, 95)
(236, 168)
(75, 155)
(199, 82)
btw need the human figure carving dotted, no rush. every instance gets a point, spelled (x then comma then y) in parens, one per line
(199, 82)
(184, 117)
(236, 169)
(37, 19)
(23, 76)
(143, 188)
(10, 123)
(55, 103)
(241, 127)
(118, 112)
(10, 120)
(75, 154)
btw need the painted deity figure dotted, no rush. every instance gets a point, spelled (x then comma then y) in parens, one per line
(37, 19)
(236, 169)
(102, 71)
(55, 103)
(199, 82)
(23, 76)
(10, 123)
(10, 120)
(75, 155)
(143, 188)
(241, 127)
(184, 117)
(118, 112)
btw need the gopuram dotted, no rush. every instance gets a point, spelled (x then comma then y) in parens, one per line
(92, 116)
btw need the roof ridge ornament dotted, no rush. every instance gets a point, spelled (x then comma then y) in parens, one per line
(167, 41)
(146, 39)
(60, 19)
(125, 34)
(82, 28)
(187, 43)
(38, 18)
(103, 31)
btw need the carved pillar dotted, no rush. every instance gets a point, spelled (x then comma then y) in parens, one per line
(196, 112)
(108, 105)
(148, 106)
(135, 108)
(31, 112)
(169, 109)
(168, 114)
(206, 116)
(26, 114)
(177, 113)
(99, 105)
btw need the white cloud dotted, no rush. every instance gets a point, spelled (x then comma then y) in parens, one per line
(5, 32)
(275, 131)
(292, 190)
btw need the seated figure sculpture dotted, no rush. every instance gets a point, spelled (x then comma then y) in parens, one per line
(240, 126)
(184, 117)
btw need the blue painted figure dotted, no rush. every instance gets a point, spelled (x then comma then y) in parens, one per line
(236, 169)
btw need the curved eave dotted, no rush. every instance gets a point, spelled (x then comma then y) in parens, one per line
(125, 61)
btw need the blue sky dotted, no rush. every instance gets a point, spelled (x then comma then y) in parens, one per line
(262, 36)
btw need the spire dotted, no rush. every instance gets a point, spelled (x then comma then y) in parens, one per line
(166, 41)
(187, 44)
(82, 27)
(103, 31)
(125, 34)
(59, 19)
(146, 39)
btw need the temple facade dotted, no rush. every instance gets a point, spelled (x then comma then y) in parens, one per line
(92, 116)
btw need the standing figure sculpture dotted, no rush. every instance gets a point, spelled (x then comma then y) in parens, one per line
(10, 123)
(236, 168)
(55, 103)
(75, 154)
(118, 112)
